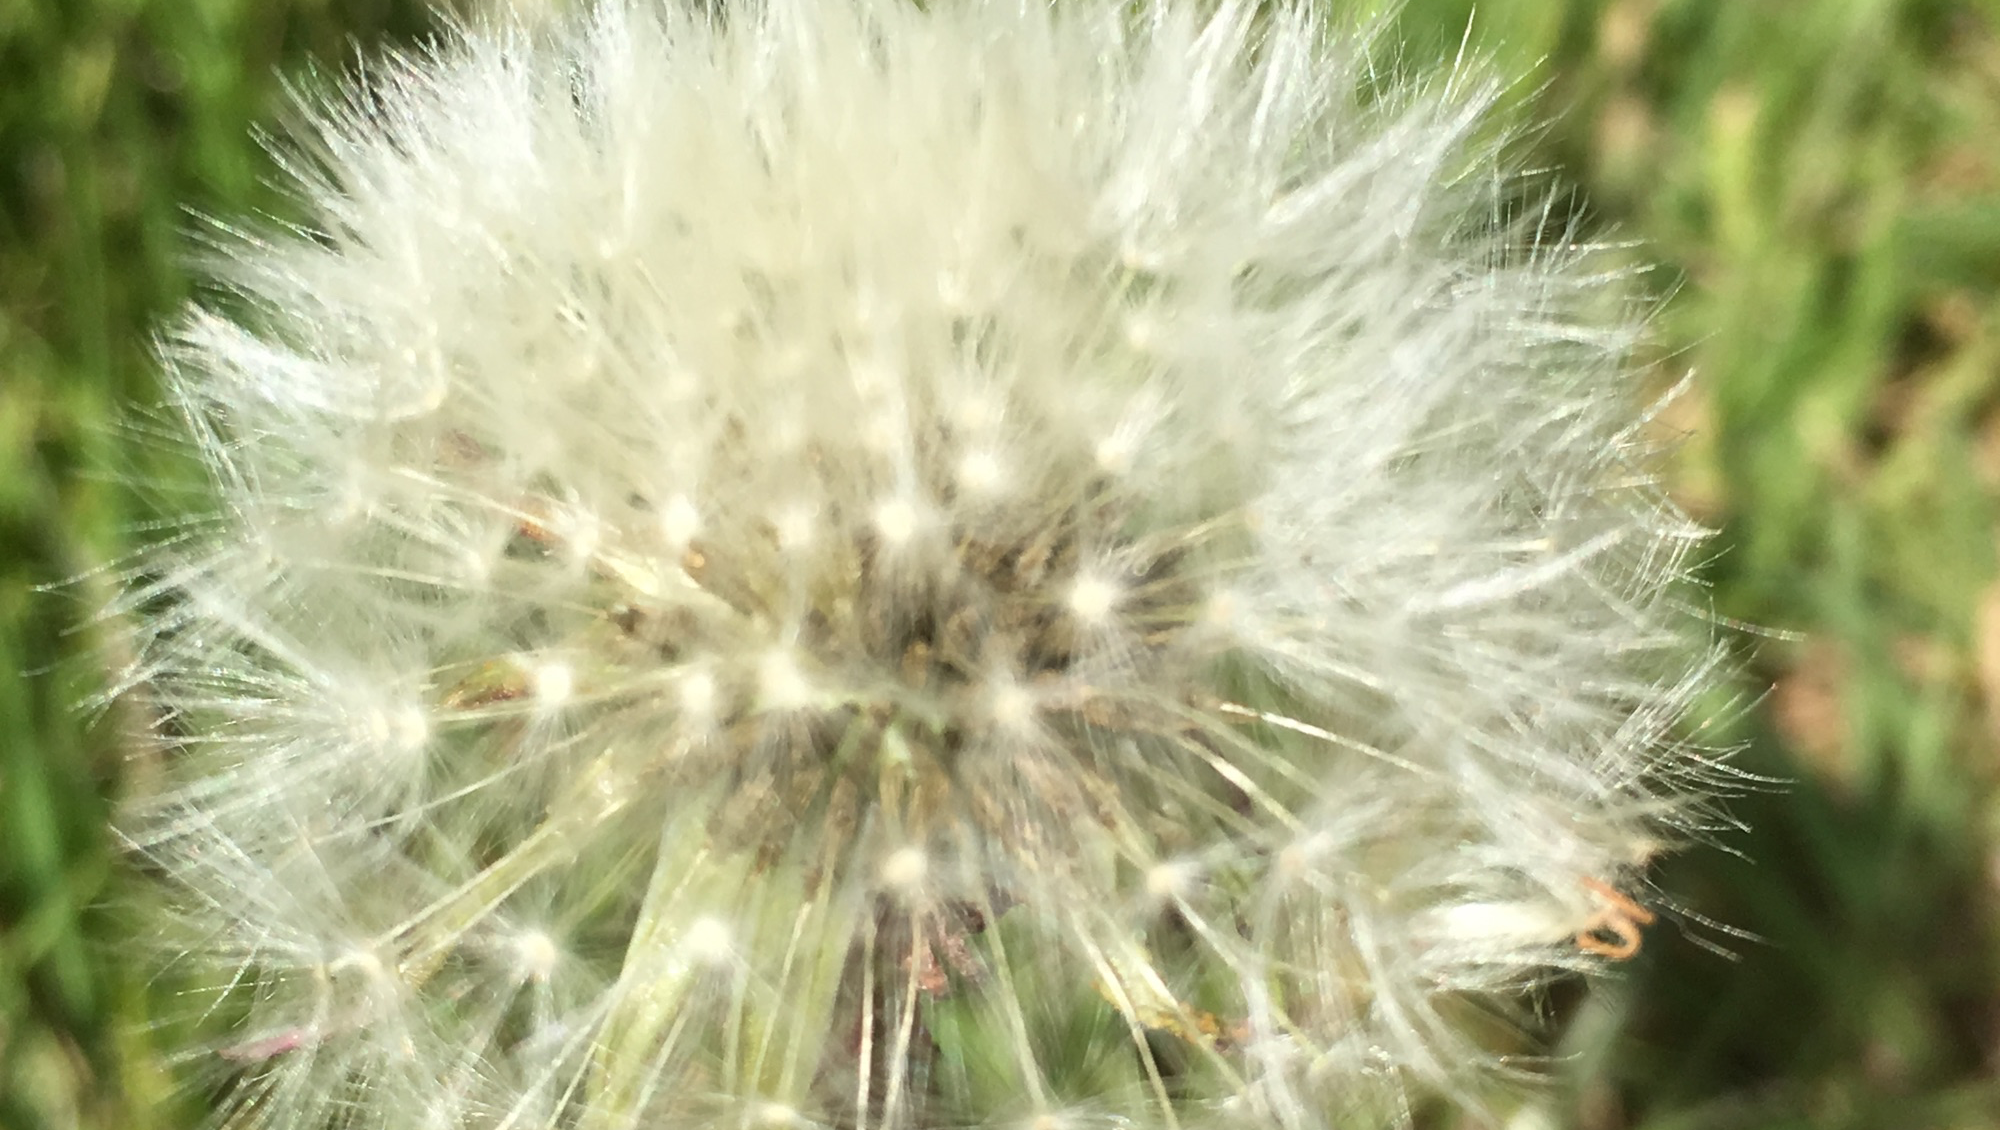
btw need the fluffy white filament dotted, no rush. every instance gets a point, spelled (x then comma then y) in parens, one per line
(839, 564)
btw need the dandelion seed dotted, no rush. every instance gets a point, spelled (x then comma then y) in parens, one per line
(708, 940)
(981, 473)
(1013, 707)
(680, 521)
(698, 696)
(399, 731)
(784, 686)
(776, 1115)
(553, 683)
(896, 520)
(794, 526)
(905, 869)
(535, 955)
(1092, 599)
(1167, 881)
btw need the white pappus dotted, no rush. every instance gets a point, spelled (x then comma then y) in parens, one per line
(840, 563)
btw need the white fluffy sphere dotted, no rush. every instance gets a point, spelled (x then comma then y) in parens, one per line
(843, 564)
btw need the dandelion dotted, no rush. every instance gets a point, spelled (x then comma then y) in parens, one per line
(844, 564)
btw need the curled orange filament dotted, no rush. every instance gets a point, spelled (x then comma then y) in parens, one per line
(1620, 918)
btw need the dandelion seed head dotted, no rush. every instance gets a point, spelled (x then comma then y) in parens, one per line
(891, 530)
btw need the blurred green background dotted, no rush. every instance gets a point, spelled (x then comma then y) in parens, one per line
(1820, 180)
